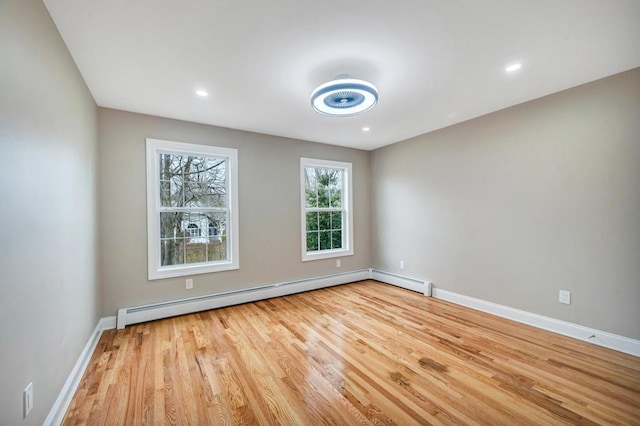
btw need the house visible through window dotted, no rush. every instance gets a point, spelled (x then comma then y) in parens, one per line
(194, 231)
(327, 229)
(192, 208)
(214, 230)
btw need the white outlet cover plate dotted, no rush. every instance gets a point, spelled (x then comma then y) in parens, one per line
(565, 297)
(27, 396)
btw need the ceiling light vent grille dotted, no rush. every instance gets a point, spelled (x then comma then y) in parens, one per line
(344, 96)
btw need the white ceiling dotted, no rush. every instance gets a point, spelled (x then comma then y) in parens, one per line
(435, 62)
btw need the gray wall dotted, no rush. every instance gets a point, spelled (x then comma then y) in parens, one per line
(48, 238)
(269, 209)
(515, 205)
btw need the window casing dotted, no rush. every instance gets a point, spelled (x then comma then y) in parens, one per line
(326, 207)
(192, 209)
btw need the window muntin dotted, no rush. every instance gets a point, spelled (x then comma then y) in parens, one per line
(192, 209)
(326, 209)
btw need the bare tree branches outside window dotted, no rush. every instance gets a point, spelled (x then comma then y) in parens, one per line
(194, 209)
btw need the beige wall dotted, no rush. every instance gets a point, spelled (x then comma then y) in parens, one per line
(48, 244)
(515, 205)
(269, 208)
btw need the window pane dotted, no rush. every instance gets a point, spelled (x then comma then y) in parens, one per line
(171, 180)
(323, 187)
(217, 249)
(195, 252)
(312, 241)
(215, 182)
(164, 165)
(325, 240)
(205, 186)
(165, 193)
(217, 222)
(323, 196)
(217, 235)
(336, 182)
(336, 220)
(176, 192)
(194, 226)
(312, 221)
(196, 194)
(171, 251)
(171, 225)
(192, 181)
(311, 196)
(335, 197)
(216, 171)
(324, 221)
(202, 195)
(201, 235)
(171, 191)
(336, 239)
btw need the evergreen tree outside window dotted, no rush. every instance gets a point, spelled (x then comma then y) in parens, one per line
(327, 222)
(190, 187)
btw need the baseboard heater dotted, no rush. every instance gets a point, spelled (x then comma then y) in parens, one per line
(138, 314)
(401, 281)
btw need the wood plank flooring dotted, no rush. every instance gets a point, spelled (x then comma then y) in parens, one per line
(362, 353)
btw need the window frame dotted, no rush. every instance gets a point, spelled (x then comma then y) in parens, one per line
(155, 147)
(347, 206)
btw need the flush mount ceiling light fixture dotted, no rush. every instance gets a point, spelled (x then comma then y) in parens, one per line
(344, 96)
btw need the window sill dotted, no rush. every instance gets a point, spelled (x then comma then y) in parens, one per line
(328, 254)
(182, 271)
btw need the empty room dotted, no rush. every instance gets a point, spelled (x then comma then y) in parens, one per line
(319, 212)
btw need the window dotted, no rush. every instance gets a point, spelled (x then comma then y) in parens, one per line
(194, 231)
(327, 220)
(192, 209)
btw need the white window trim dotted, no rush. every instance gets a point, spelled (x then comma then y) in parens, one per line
(154, 148)
(348, 206)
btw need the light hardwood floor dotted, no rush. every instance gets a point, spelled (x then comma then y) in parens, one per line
(363, 353)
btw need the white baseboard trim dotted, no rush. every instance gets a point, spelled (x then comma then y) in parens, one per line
(138, 314)
(59, 409)
(401, 281)
(589, 335)
(108, 323)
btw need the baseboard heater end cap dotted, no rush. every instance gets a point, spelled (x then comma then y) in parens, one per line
(428, 288)
(121, 320)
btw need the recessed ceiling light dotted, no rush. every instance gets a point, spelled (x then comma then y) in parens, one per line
(344, 96)
(366, 129)
(201, 93)
(513, 67)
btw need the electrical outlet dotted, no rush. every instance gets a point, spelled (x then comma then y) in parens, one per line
(402, 264)
(27, 399)
(189, 283)
(338, 263)
(565, 297)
